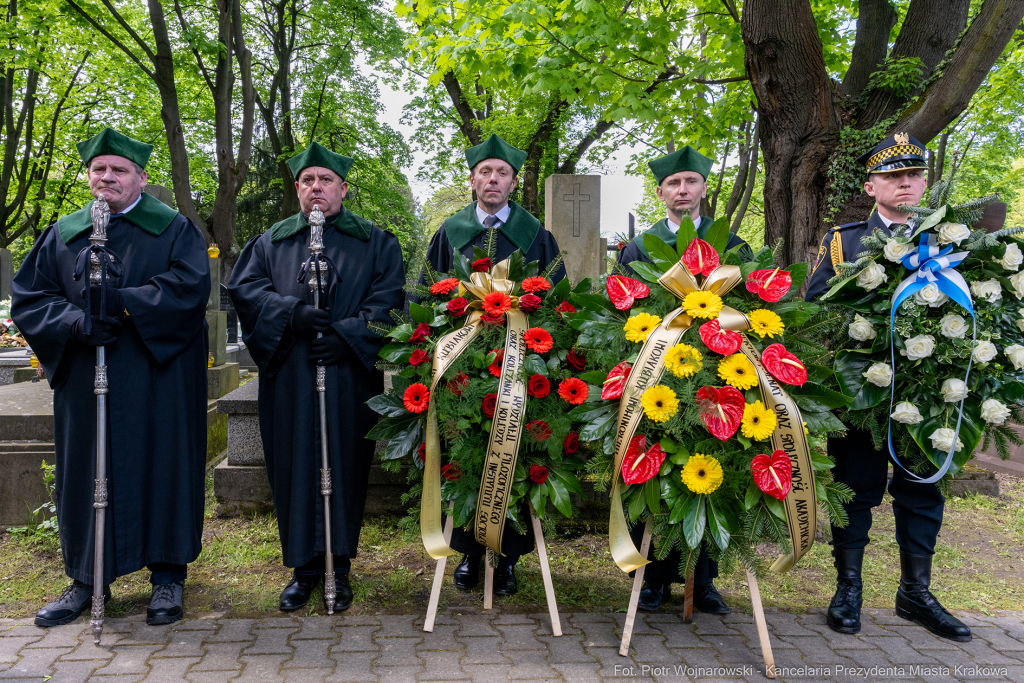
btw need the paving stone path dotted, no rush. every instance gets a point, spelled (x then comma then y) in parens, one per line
(494, 647)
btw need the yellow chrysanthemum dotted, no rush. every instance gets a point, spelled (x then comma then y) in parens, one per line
(702, 305)
(682, 360)
(702, 474)
(765, 323)
(738, 371)
(639, 327)
(758, 421)
(660, 403)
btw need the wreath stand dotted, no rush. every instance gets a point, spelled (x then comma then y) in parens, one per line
(755, 601)
(545, 572)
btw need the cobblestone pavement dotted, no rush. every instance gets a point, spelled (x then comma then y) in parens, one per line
(494, 647)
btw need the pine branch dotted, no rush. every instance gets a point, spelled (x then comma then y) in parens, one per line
(378, 328)
(553, 266)
(491, 245)
(400, 317)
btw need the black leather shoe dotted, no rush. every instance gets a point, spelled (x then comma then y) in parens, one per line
(844, 610)
(505, 580)
(342, 593)
(165, 604)
(467, 574)
(707, 599)
(915, 602)
(652, 594)
(75, 599)
(296, 594)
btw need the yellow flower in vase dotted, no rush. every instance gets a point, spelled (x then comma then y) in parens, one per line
(702, 474)
(758, 421)
(660, 403)
(738, 371)
(639, 327)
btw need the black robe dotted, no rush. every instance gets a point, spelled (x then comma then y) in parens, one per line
(157, 402)
(264, 290)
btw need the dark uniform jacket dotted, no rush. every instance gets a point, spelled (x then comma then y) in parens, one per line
(841, 243)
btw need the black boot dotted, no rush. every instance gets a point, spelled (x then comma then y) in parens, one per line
(296, 594)
(652, 595)
(166, 604)
(75, 599)
(467, 574)
(707, 599)
(342, 593)
(915, 602)
(844, 612)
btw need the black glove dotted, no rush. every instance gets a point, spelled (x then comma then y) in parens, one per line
(115, 302)
(104, 333)
(330, 349)
(307, 320)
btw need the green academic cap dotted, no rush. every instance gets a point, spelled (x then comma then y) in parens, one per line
(318, 155)
(109, 141)
(684, 159)
(495, 148)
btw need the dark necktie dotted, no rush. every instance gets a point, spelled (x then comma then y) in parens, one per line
(491, 221)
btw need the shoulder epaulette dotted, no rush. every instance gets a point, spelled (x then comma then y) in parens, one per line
(844, 226)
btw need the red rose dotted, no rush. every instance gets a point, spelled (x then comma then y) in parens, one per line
(496, 319)
(538, 474)
(418, 356)
(495, 367)
(539, 386)
(421, 452)
(490, 401)
(571, 443)
(538, 430)
(482, 265)
(451, 471)
(421, 332)
(577, 361)
(565, 307)
(458, 306)
(458, 383)
(529, 303)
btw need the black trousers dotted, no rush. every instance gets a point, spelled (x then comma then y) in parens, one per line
(667, 570)
(316, 567)
(513, 545)
(916, 507)
(166, 572)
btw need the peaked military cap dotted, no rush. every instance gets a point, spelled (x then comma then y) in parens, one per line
(684, 159)
(318, 155)
(896, 152)
(495, 148)
(109, 141)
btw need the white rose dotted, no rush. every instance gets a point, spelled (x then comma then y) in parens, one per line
(984, 351)
(1018, 286)
(1015, 353)
(907, 413)
(1012, 257)
(861, 329)
(953, 232)
(1020, 324)
(942, 439)
(871, 277)
(989, 290)
(919, 347)
(953, 326)
(879, 374)
(953, 390)
(994, 412)
(895, 251)
(929, 295)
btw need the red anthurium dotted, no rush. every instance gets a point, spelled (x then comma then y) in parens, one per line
(616, 381)
(783, 365)
(623, 291)
(700, 257)
(770, 285)
(639, 466)
(725, 342)
(774, 474)
(721, 409)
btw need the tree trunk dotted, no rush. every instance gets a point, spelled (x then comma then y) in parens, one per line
(721, 176)
(874, 23)
(740, 182)
(751, 180)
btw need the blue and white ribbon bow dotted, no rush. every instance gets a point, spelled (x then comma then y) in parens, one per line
(931, 265)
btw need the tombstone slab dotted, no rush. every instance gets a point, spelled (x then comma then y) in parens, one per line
(6, 274)
(572, 213)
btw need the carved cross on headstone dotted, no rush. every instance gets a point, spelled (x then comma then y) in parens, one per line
(576, 198)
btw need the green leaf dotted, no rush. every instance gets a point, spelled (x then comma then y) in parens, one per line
(718, 525)
(395, 352)
(717, 235)
(388, 405)
(535, 365)
(404, 443)
(594, 377)
(646, 271)
(391, 426)
(560, 292)
(594, 302)
(971, 432)
(694, 519)
(421, 314)
(462, 266)
(652, 492)
(796, 312)
(687, 233)
(560, 496)
(818, 373)
(678, 509)
(599, 426)
(825, 397)
(539, 498)
(775, 506)
(515, 266)
(822, 421)
(401, 332)
(662, 255)
(798, 273)
(850, 368)
(752, 495)
(637, 503)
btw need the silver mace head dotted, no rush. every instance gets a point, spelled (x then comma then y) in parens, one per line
(316, 245)
(100, 220)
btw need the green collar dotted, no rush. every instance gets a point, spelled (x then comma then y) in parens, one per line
(661, 229)
(347, 222)
(150, 214)
(521, 228)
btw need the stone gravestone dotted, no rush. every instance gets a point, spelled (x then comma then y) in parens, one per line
(162, 193)
(572, 213)
(232, 316)
(6, 274)
(222, 377)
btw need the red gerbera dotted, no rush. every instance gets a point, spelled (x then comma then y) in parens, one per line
(529, 303)
(497, 303)
(418, 357)
(565, 307)
(721, 410)
(421, 332)
(451, 471)
(539, 340)
(538, 386)
(495, 367)
(490, 402)
(573, 390)
(700, 257)
(616, 381)
(623, 291)
(538, 474)
(444, 286)
(577, 361)
(770, 284)
(458, 306)
(535, 284)
(421, 452)
(783, 365)
(639, 466)
(538, 430)
(458, 383)
(416, 398)
(482, 265)
(571, 443)
(725, 342)
(773, 474)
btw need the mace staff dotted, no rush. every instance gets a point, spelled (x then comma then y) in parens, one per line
(318, 271)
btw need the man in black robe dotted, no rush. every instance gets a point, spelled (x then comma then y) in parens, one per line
(156, 349)
(279, 327)
(493, 172)
(682, 183)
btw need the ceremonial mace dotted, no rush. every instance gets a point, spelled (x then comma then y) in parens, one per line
(318, 269)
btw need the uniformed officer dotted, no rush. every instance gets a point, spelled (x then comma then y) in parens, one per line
(895, 178)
